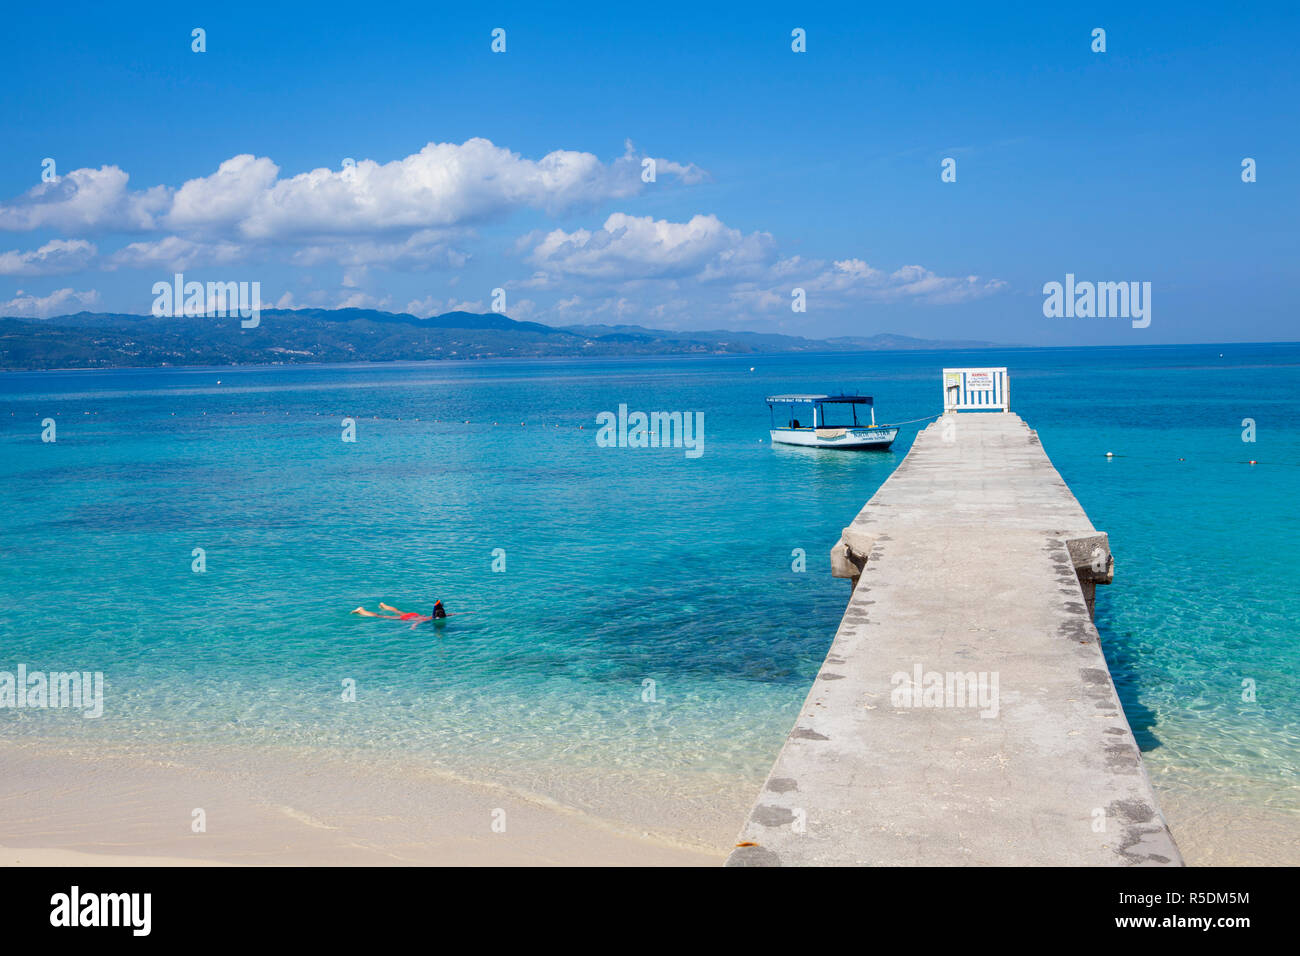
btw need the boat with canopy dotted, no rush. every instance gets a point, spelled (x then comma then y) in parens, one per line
(829, 421)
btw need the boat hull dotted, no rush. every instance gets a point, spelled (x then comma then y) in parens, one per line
(848, 439)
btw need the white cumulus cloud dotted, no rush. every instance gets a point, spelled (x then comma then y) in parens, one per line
(56, 303)
(421, 250)
(58, 256)
(655, 267)
(96, 200)
(442, 185)
(175, 253)
(854, 279)
(630, 247)
(429, 306)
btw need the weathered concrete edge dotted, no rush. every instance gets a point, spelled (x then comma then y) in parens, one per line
(1094, 564)
(843, 565)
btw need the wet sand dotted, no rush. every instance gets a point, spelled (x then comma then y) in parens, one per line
(1216, 829)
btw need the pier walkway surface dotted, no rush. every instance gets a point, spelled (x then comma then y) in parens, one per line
(965, 714)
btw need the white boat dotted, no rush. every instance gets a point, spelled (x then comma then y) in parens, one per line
(823, 430)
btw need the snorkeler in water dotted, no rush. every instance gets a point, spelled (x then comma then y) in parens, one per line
(412, 616)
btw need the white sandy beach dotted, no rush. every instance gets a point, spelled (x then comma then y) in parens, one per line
(73, 805)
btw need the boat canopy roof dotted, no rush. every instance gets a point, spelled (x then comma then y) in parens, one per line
(819, 399)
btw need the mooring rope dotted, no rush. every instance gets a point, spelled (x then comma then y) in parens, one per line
(912, 421)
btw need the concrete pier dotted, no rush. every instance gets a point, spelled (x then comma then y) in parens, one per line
(965, 714)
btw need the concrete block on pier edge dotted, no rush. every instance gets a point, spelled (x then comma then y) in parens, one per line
(1093, 563)
(1090, 552)
(850, 554)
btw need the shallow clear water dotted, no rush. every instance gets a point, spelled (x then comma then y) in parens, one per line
(622, 566)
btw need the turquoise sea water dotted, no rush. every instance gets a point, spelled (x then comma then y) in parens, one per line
(622, 566)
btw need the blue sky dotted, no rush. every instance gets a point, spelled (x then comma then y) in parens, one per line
(774, 169)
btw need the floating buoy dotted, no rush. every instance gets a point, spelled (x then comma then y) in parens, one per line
(751, 368)
(1253, 462)
(1110, 454)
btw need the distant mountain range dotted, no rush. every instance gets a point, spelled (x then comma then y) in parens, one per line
(292, 336)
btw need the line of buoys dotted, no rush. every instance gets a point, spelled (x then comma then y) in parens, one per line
(1253, 461)
(375, 418)
(436, 421)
